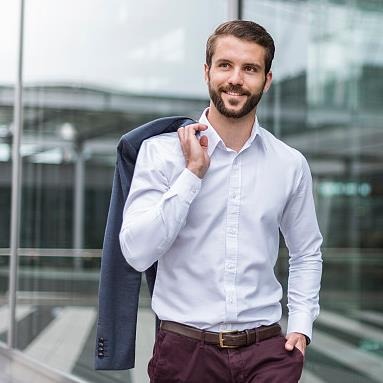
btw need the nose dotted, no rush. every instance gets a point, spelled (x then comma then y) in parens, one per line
(236, 77)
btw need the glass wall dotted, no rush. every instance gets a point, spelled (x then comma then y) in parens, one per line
(8, 69)
(326, 101)
(92, 71)
(95, 69)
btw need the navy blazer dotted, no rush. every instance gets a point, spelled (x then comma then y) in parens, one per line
(119, 282)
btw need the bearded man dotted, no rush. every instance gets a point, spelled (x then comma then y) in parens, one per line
(207, 204)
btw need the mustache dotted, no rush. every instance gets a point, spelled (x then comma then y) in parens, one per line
(234, 89)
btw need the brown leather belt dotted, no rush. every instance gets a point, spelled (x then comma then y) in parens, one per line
(229, 339)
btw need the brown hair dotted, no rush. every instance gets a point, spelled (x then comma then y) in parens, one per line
(244, 30)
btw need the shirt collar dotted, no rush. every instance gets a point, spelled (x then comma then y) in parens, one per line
(215, 139)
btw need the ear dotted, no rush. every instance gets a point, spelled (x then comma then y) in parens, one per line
(206, 72)
(269, 78)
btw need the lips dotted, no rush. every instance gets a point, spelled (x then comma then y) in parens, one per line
(234, 91)
(234, 94)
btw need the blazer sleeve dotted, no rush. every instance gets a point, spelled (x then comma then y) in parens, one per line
(119, 285)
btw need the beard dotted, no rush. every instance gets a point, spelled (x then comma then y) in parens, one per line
(250, 104)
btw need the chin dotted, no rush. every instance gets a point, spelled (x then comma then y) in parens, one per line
(234, 109)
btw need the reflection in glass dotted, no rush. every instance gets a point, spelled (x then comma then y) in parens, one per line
(326, 101)
(93, 71)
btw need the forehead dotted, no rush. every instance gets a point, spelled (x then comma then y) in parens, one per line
(237, 50)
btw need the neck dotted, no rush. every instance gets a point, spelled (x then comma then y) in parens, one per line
(234, 132)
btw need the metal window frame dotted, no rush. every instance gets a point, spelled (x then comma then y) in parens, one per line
(234, 9)
(16, 183)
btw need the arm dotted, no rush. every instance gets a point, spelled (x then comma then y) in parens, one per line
(300, 229)
(155, 211)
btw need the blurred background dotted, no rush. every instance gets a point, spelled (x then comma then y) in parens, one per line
(94, 69)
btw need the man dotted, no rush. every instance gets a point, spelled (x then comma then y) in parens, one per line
(208, 206)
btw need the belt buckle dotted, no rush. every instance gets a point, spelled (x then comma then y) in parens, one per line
(221, 339)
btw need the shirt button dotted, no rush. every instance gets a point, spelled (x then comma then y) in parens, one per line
(233, 195)
(232, 230)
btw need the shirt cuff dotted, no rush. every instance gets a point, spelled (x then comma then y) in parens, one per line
(187, 186)
(301, 323)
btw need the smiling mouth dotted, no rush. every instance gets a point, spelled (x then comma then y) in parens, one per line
(234, 94)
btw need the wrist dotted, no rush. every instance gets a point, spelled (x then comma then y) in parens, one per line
(199, 171)
(305, 337)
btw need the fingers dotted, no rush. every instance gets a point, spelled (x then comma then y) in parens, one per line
(181, 134)
(194, 148)
(189, 130)
(181, 137)
(195, 127)
(188, 133)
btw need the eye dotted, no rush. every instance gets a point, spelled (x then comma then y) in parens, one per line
(224, 65)
(250, 68)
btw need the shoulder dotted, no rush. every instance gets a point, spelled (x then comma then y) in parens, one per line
(282, 152)
(165, 142)
(162, 148)
(291, 162)
(164, 138)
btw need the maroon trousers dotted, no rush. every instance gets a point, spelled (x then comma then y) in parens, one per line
(177, 359)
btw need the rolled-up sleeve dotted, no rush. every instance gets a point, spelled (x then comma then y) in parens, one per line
(303, 239)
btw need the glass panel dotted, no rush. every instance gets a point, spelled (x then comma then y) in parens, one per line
(326, 101)
(93, 70)
(9, 22)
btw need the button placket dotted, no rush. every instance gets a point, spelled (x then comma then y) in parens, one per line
(232, 224)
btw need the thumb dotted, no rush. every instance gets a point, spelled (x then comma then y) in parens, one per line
(289, 345)
(204, 142)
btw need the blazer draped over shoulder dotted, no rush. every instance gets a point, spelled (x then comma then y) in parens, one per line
(119, 283)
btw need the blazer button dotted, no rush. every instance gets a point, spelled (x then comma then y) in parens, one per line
(100, 354)
(101, 349)
(101, 343)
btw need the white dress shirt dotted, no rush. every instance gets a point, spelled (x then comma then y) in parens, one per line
(216, 240)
